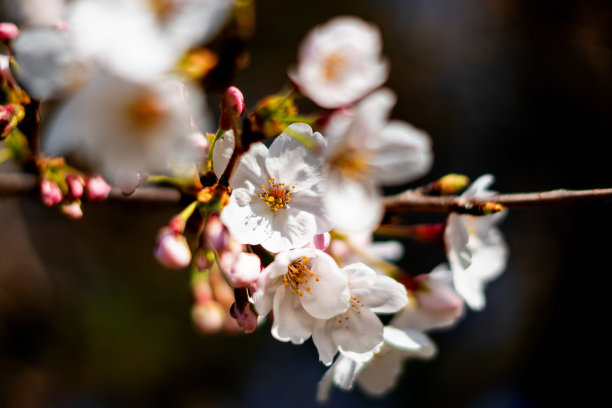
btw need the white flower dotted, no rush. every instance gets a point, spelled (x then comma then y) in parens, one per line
(276, 198)
(120, 126)
(301, 286)
(340, 62)
(476, 250)
(49, 64)
(378, 372)
(436, 306)
(358, 329)
(364, 151)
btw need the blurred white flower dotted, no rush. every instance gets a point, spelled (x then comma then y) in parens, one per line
(301, 286)
(358, 329)
(119, 126)
(276, 198)
(364, 151)
(340, 62)
(476, 250)
(49, 63)
(378, 372)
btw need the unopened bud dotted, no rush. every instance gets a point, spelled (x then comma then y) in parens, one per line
(491, 208)
(97, 188)
(232, 107)
(76, 184)
(72, 210)
(202, 292)
(50, 193)
(10, 116)
(172, 249)
(449, 184)
(8, 32)
(245, 270)
(208, 316)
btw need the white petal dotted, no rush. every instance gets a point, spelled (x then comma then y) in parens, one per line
(385, 296)
(360, 276)
(291, 228)
(251, 171)
(400, 153)
(479, 187)
(324, 342)
(291, 162)
(408, 340)
(381, 374)
(353, 206)
(249, 223)
(346, 371)
(388, 250)
(360, 333)
(291, 322)
(324, 386)
(330, 295)
(456, 240)
(222, 151)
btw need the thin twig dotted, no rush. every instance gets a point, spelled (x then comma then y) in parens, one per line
(411, 201)
(19, 183)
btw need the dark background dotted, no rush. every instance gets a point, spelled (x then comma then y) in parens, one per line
(519, 89)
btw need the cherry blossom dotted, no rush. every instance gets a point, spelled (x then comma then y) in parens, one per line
(476, 250)
(276, 199)
(358, 329)
(365, 151)
(339, 62)
(118, 126)
(301, 286)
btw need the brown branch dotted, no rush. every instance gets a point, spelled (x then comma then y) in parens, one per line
(19, 183)
(411, 201)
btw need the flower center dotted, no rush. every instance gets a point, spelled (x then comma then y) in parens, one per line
(299, 275)
(162, 9)
(333, 65)
(352, 164)
(276, 195)
(145, 111)
(356, 304)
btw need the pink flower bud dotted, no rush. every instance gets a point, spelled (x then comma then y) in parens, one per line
(172, 249)
(246, 270)
(72, 210)
(216, 233)
(232, 106)
(202, 292)
(208, 316)
(50, 193)
(97, 188)
(8, 31)
(76, 184)
(246, 318)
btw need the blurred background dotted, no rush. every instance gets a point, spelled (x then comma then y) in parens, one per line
(519, 89)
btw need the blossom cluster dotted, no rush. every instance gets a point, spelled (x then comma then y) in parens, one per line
(282, 206)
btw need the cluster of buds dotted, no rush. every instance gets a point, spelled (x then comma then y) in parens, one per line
(68, 188)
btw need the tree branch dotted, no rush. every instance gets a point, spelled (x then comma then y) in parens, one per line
(19, 183)
(412, 201)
